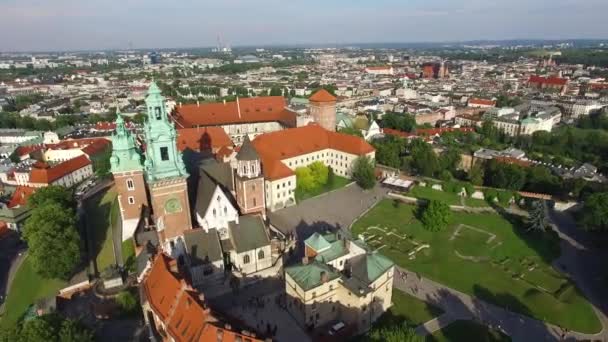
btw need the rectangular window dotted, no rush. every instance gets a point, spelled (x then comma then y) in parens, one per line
(130, 185)
(164, 153)
(131, 200)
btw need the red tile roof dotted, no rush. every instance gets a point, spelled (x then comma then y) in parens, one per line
(425, 132)
(43, 173)
(551, 80)
(255, 109)
(482, 102)
(322, 95)
(206, 138)
(20, 196)
(276, 146)
(26, 150)
(178, 306)
(96, 146)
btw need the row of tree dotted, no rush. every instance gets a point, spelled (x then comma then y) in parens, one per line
(47, 328)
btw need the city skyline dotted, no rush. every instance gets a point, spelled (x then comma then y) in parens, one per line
(71, 25)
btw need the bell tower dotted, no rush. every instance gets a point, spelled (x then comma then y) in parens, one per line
(249, 181)
(166, 175)
(127, 169)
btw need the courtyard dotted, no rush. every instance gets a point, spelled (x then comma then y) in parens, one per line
(488, 256)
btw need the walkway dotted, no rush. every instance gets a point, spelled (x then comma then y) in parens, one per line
(460, 306)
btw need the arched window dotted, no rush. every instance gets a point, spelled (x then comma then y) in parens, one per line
(246, 259)
(261, 255)
(157, 113)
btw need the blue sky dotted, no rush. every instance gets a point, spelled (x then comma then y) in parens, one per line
(112, 24)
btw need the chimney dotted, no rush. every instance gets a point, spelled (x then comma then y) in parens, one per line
(324, 277)
(180, 104)
(198, 104)
(227, 326)
(201, 297)
(305, 260)
(238, 106)
(224, 102)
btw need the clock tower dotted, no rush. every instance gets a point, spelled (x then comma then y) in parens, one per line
(166, 175)
(128, 171)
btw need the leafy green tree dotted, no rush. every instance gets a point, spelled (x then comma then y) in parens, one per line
(305, 181)
(54, 243)
(475, 174)
(450, 159)
(351, 131)
(276, 91)
(53, 194)
(537, 221)
(389, 150)
(424, 159)
(319, 172)
(505, 176)
(402, 122)
(101, 163)
(393, 333)
(363, 172)
(127, 301)
(74, 331)
(435, 216)
(594, 215)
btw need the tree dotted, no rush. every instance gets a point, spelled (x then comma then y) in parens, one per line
(435, 216)
(101, 163)
(319, 172)
(40, 329)
(389, 150)
(537, 220)
(393, 333)
(52, 194)
(476, 174)
(54, 242)
(424, 160)
(403, 122)
(450, 159)
(351, 131)
(74, 331)
(505, 176)
(276, 91)
(127, 301)
(304, 179)
(594, 215)
(363, 172)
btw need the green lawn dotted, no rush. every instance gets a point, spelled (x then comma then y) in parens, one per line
(339, 182)
(504, 270)
(450, 198)
(99, 210)
(128, 254)
(467, 331)
(27, 287)
(406, 309)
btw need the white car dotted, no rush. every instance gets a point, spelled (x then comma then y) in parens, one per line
(336, 328)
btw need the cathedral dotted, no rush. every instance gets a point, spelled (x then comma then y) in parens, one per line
(151, 179)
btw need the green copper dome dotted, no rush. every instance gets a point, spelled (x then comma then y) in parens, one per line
(125, 154)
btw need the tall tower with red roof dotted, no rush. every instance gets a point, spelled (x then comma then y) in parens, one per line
(323, 109)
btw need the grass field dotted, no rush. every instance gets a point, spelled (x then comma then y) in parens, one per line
(427, 193)
(406, 309)
(339, 182)
(98, 212)
(467, 331)
(511, 270)
(26, 289)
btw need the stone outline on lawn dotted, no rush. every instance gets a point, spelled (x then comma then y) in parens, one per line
(386, 231)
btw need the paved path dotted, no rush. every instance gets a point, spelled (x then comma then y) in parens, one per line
(460, 306)
(435, 324)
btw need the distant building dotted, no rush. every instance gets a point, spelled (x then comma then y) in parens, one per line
(481, 103)
(557, 84)
(380, 70)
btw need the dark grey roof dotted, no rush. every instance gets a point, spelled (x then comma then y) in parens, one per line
(221, 173)
(203, 247)
(204, 194)
(250, 233)
(141, 261)
(247, 151)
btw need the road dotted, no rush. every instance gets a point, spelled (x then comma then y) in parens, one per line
(13, 251)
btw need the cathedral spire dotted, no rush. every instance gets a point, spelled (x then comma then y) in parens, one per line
(125, 154)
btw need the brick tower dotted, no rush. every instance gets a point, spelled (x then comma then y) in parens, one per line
(323, 109)
(249, 181)
(166, 175)
(127, 169)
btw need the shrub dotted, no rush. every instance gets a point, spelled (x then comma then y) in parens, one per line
(435, 216)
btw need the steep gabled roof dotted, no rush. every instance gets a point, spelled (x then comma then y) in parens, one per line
(202, 139)
(162, 286)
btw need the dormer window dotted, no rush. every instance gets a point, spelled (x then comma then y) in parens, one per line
(157, 113)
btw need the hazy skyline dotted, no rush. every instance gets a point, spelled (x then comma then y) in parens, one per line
(30, 25)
